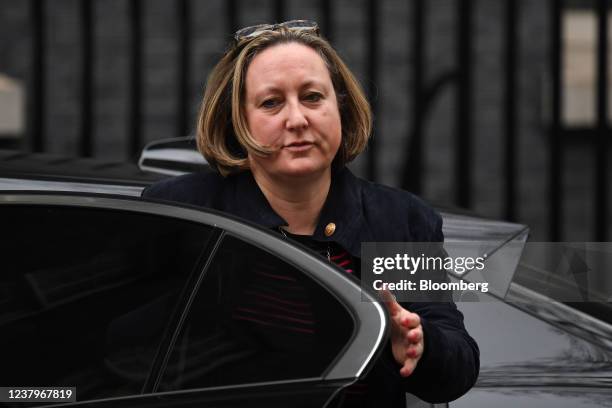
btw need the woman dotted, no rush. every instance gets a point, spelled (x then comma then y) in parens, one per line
(281, 117)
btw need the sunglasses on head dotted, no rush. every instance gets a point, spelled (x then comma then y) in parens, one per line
(293, 25)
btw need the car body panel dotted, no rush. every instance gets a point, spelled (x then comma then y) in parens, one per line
(359, 353)
(38, 166)
(525, 346)
(305, 393)
(530, 358)
(15, 184)
(536, 397)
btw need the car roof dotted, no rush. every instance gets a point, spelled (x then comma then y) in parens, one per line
(49, 167)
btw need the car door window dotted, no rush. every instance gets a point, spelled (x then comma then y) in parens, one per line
(86, 295)
(256, 318)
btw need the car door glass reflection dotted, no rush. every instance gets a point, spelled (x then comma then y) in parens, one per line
(256, 318)
(87, 295)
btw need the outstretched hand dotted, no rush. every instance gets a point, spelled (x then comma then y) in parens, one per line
(406, 335)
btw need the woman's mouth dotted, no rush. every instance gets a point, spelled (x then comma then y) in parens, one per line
(299, 146)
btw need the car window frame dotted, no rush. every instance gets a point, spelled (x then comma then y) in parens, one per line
(369, 315)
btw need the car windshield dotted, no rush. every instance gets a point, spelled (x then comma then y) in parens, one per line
(569, 273)
(500, 243)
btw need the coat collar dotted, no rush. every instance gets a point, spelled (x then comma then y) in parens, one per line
(342, 207)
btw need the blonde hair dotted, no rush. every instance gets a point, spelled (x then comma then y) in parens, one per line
(223, 136)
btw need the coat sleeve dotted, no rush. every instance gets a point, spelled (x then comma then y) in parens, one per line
(450, 362)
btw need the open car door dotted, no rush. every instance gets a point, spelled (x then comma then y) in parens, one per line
(140, 303)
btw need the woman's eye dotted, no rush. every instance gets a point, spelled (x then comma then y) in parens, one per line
(313, 97)
(269, 103)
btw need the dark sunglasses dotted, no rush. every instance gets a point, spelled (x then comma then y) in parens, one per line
(293, 25)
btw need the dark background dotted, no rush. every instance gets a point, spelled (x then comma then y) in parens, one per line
(498, 106)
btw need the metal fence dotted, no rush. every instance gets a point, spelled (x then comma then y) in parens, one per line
(423, 94)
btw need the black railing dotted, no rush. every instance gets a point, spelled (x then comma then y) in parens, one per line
(136, 68)
(184, 71)
(555, 149)
(509, 107)
(421, 93)
(373, 59)
(603, 129)
(411, 178)
(37, 96)
(86, 132)
(464, 105)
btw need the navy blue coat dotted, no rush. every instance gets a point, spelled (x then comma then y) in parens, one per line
(362, 212)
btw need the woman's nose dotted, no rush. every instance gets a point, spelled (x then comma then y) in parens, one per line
(296, 118)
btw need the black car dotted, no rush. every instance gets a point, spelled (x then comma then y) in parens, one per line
(133, 303)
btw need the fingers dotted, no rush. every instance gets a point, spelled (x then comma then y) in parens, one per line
(392, 306)
(413, 354)
(414, 350)
(406, 335)
(408, 368)
(415, 335)
(401, 316)
(406, 319)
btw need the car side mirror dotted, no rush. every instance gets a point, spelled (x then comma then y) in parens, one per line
(173, 156)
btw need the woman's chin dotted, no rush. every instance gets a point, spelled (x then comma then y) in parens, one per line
(303, 170)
